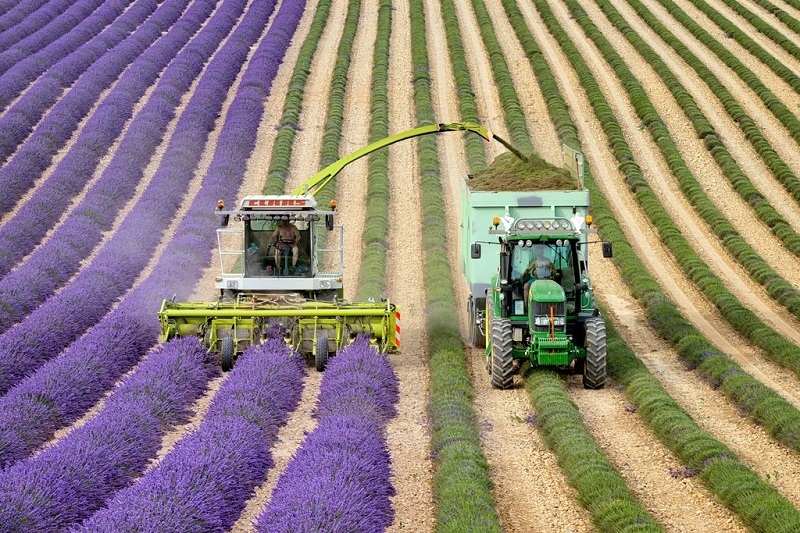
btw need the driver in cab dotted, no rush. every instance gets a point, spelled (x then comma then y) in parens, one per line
(286, 234)
(540, 268)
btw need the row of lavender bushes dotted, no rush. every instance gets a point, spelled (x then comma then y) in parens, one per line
(43, 84)
(66, 386)
(27, 16)
(80, 232)
(70, 480)
(50, 328)
(71, 20)
(19, 236)
(339, 479)
(203, 484)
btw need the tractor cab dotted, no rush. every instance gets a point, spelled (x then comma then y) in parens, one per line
(280, 244)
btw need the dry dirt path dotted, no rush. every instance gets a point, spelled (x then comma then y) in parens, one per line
(746, 156)
(770, 127)
(531, 491)
(720, 417)
(678, 287)
(714, 183)
(408, 435)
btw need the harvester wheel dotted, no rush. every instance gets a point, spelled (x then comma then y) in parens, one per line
(321, 353)
(594, 369)
(227, 353)
(502, 359)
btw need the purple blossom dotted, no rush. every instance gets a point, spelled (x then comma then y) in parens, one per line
(204, 483)
(70, 480)
(339, 479)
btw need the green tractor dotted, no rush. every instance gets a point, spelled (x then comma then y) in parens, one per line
(533, 299)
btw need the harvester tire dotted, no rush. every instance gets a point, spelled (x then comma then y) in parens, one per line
(227, 353)
(321, 353)
(502, 359)
(594, 368)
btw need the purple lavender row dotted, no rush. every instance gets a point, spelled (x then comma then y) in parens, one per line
(18, 122)
(204, 483)
(60, 391)
(69, 481)
(339, 479)
(34, 13)
(129, 250)
(70, 20)
(99, 132)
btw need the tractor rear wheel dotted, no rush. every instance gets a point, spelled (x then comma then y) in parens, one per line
(594, 368)
(502, 360)
(227, 353)
(321, 353)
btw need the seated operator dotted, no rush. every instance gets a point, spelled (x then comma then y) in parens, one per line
(286, 234)
(540, 268)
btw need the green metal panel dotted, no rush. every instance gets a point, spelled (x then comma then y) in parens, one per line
(546, 291)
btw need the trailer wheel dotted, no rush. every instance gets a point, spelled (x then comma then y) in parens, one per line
(227, 353)
(321, 353)
(477, 338)
(502, 360)
(594, 368)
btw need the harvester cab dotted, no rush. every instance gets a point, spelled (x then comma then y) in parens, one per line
(276, 245)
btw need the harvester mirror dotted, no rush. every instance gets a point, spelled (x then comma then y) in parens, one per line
(607, 250)
(329, 222)
(475, 250)
(223, 223)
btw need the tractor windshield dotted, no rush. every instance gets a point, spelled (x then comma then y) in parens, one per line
(277, 248)
(554, 261)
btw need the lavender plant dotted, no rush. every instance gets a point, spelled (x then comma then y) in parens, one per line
(204, 483)
(128, 252)
(67, 385)
(67, 482)
(339, 479)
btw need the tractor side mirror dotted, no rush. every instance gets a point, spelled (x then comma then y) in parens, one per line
(475, 250)
(329, 222)
(223, 223)
(607, 250)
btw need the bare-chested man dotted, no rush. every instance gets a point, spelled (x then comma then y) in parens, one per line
(286, 231)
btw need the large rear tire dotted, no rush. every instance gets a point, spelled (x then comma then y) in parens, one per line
(502, 360)
(594, 369)
(227, 352)
(321, 353)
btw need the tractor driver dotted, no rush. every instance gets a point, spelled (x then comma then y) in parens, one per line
(540, 268)
(286, 234)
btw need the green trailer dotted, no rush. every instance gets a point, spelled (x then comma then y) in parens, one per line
(525, 261)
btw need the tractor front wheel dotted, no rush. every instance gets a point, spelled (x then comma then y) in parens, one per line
(321, 353)
(227, 353)
(594, 368)
(502, 359)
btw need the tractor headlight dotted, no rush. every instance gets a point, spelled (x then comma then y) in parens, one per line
(530, 225)
(521, 225)
(538, 224)
(529, 243)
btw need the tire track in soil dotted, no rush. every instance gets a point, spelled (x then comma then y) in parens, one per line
(531, 491)
(714, 183)
(766, 371)
(408, 436)
(747, 158)
(720, 416)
